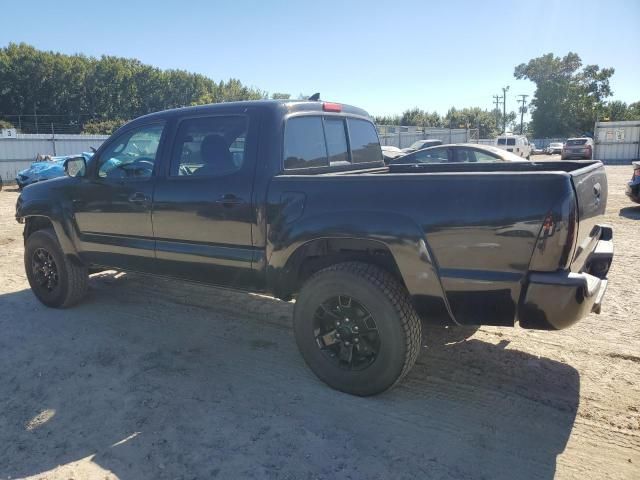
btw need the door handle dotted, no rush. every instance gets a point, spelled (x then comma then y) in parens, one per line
(229, 199)
(138, 198)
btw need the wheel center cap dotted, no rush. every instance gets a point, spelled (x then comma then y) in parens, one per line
(346, 331)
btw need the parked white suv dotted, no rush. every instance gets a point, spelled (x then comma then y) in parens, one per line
(517, 144)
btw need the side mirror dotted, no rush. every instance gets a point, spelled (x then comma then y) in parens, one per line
(75, 167)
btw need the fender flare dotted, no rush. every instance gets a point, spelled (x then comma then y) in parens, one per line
(59, 216)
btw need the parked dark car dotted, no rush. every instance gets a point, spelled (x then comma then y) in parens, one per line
(44, 170)
(459, 153)
(293, 199)
(633, 187)
(578, 148)
(420, 144)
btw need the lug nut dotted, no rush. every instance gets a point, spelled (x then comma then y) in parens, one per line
(355, 329)
(356, 340)
(347, 343)
(338, 323)
(346, 319)
(337, 335)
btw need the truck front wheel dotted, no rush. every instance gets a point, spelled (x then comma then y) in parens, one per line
(356, 328)
(54, 278)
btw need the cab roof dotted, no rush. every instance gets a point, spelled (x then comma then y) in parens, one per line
(284, 107)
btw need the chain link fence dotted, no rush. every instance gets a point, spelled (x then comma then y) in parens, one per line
(402, 136)
(49, 124)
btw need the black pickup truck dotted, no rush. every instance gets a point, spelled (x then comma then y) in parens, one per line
(294, 199)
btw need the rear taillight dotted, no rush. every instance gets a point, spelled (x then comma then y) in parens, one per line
(572, 228)
(548, 226)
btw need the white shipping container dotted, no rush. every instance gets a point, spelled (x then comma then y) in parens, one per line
(617, 142)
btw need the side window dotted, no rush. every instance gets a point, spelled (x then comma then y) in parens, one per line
(336, 141)
(365, 146)
(132, 154)
(432, 155)
(304, 143)
(485, 157)
(209, 146)
(465, 155)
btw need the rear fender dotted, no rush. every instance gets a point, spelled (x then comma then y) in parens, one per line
(395, 233)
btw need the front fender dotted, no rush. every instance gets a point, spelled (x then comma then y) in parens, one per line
(57, 213)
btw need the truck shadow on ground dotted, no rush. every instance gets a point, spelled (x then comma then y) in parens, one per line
(159, 379)
(630, 212)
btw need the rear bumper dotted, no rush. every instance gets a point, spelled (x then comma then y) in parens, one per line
(576, 155)
(633, 191)
(557, 300)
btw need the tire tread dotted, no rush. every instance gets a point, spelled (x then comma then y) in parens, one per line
(399, 297)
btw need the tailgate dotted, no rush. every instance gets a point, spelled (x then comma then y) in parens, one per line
(590, 185)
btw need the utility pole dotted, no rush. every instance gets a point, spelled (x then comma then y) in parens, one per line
(497, 100)
(504, 108)
(523, 99)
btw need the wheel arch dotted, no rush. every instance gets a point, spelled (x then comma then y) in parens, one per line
(320, 253)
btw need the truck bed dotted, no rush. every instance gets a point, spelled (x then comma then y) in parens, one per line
(481, 229)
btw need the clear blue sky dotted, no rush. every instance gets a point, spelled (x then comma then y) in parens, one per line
(383, 56)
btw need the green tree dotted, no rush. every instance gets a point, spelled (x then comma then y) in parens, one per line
(77, 87)
(568, 97)
(102, 127)
(618, 110)
(387, 119)
(420, 118)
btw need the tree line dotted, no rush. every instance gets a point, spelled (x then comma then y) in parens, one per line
(97, 95)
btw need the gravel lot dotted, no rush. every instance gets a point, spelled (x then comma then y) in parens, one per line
(150, 378)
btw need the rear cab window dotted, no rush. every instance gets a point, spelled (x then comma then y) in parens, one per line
(578, 141)
(313, 141)
(506, 141)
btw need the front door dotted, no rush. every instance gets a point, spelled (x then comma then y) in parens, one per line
(112, 205)
(202, 208)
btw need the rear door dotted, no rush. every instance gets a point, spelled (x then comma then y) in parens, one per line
(202, 209)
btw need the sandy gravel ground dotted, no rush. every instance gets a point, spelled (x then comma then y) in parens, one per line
(160, 379)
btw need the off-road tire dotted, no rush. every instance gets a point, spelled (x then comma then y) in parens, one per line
(399, 327)
(72, 277)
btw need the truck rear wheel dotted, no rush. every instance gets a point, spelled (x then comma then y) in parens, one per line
(54, 278)
(356, 328)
